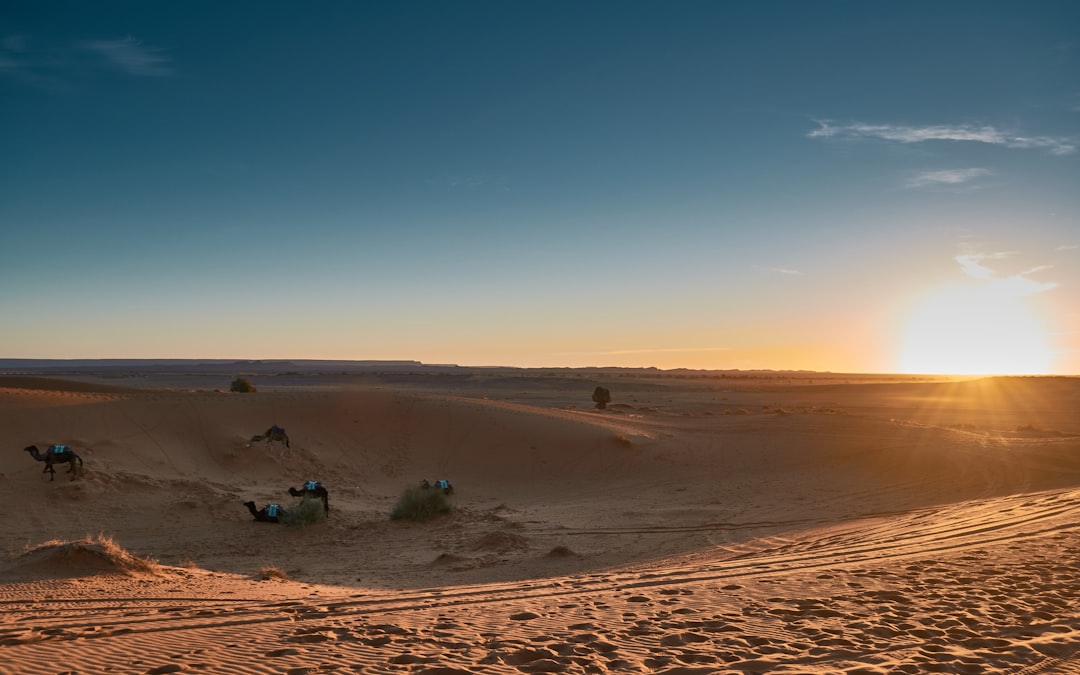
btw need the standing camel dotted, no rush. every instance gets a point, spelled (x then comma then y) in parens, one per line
(55, 454)
(274, 433)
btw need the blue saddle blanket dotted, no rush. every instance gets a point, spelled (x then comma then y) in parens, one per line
(442, 484)
(312, 485)
(272, 510)
(59, 449)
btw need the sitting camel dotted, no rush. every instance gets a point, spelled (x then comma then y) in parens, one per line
(274, 433)
(441, 484)
(55, 454)
(314, 489)
(267, 514)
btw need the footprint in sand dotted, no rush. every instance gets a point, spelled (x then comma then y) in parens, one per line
(527, 656)
(287, 651)
(313, 634)
(407, 659)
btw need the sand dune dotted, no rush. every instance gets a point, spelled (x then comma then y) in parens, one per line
(691, 528)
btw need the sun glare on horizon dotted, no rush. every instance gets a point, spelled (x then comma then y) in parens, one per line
(975, 330)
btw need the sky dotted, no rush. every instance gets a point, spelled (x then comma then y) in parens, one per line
(835, 186)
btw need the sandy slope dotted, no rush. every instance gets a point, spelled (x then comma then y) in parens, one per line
(694, 527)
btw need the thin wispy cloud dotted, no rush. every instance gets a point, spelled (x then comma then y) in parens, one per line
(62, 67)
(787, 271)
(38, 68)
(955, 133)
(1017, 285)
(946, 177)
(13, 43)
(468, 181)
(132, 56)
(8, 64)
(1067, 247)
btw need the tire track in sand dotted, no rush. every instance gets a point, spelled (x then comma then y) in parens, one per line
(981, 587)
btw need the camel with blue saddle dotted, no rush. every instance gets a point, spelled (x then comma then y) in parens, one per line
(315, 490)
(441, 484)
(274, 433)
(271, 513)
(55, 454)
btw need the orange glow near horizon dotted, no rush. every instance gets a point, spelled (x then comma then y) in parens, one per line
(975, 330)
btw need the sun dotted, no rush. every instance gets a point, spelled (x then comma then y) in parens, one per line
(975, 329)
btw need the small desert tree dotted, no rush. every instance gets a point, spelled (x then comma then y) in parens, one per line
(242, 385)
(601, 397)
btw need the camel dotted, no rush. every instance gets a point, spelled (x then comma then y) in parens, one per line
(314, 489)
(55, 454)
(441, 484)
(274, 433)
(267, 514)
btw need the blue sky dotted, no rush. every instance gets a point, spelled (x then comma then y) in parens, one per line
(694, 184)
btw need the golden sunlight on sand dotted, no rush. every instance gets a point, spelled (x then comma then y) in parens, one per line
(735, 524)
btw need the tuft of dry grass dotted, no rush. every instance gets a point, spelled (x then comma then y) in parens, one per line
(420, 505)
(271, 572)
(100, 552)
(307, 512)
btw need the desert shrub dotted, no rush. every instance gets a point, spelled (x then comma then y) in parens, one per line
(561, 552)
(271, 572)
(419, 504)
(99, 553)
(242, 385)
(116, 552)
(601, 397)
(307, 512)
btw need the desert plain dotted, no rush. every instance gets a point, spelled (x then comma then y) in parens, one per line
(701, 523)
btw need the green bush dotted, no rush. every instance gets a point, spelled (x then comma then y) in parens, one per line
(419, 504)
(307, 512)
(242, 385)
